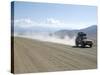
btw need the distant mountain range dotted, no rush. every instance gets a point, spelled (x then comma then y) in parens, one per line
(35, 29)
(61, 33)
(90, 31)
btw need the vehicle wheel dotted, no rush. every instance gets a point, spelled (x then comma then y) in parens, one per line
(90, 45)
(82, 45)
(77, 44)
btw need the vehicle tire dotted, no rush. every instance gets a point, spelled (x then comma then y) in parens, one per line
(82, 45)
(77, 44)
(90, 45)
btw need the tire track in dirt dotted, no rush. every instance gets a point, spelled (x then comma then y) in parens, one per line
(37, 56)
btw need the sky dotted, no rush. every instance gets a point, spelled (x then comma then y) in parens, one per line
(30, 14)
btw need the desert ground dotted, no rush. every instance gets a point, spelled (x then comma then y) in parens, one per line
(38, 56)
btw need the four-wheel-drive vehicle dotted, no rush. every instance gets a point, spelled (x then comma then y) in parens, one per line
(82, 41)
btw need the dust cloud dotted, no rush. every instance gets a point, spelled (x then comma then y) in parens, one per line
(66, 40)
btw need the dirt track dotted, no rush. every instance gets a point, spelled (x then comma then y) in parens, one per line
(35, 56)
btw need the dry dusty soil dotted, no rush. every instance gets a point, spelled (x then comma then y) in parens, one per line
(36, 56)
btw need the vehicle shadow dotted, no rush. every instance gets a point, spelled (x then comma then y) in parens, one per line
(79, 47)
